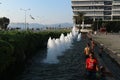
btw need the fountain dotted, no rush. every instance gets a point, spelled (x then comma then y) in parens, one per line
(56, 47)
(74, 32)
(79, 37)
(51, 49)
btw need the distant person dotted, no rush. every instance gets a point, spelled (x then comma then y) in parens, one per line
(84, 36)
(91, 67)
(95, 32)
(100, 52)
(106, 32)
(87, 50)
(92, 44)
(104, 73)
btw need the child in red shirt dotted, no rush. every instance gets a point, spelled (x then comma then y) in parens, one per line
(91, 67)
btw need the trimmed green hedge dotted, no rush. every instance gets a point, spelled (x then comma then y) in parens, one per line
(18, 46)
(6, 52)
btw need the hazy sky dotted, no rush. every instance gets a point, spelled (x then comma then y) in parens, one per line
(44, 11)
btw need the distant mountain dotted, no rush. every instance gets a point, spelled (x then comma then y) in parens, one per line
(22, 25)
(37, 25)
(60, 25)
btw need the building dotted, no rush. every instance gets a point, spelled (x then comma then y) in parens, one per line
(105, 10)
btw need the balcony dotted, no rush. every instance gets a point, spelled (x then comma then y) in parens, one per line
(86, 0)
(94, 15)
(86, 10)
(116, 3)
(116, 9)
(82, 4)
(115, 14)
(81, 0)
(88, 4)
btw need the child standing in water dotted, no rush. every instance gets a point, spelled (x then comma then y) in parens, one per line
(91, 67)
(92, 44)
(104, 73)
(87, 50)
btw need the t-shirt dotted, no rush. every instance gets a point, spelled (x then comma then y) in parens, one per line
(91, 64)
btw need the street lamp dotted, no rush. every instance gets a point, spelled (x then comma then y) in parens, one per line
(25, 10)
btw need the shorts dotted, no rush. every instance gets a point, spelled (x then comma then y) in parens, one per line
(91, 75)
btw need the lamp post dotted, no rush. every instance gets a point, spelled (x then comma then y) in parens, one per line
(25, 10)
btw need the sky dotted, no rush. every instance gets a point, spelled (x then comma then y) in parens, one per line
(44, 11)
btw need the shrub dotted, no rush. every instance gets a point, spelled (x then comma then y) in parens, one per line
(6, 55)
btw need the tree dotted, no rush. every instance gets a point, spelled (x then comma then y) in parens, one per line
(4, 22)
(79, 19)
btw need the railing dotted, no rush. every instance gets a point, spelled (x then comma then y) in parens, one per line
(89, 10)
(87, 4)
(116, 3)
(116, 9)
(88, 0)
(114, 14)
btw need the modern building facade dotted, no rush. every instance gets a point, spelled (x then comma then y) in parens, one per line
(106, 10)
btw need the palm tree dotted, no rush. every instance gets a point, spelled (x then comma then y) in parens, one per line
(79, 19)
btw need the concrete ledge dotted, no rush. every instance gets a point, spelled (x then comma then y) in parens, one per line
(86, 30)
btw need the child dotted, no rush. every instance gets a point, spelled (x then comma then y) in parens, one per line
(104, 72)
(87, 50)
(100, 52)
(91, 67)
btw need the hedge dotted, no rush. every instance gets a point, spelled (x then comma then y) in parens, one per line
(17, 46)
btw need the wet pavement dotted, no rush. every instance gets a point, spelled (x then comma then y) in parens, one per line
(71, 65)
